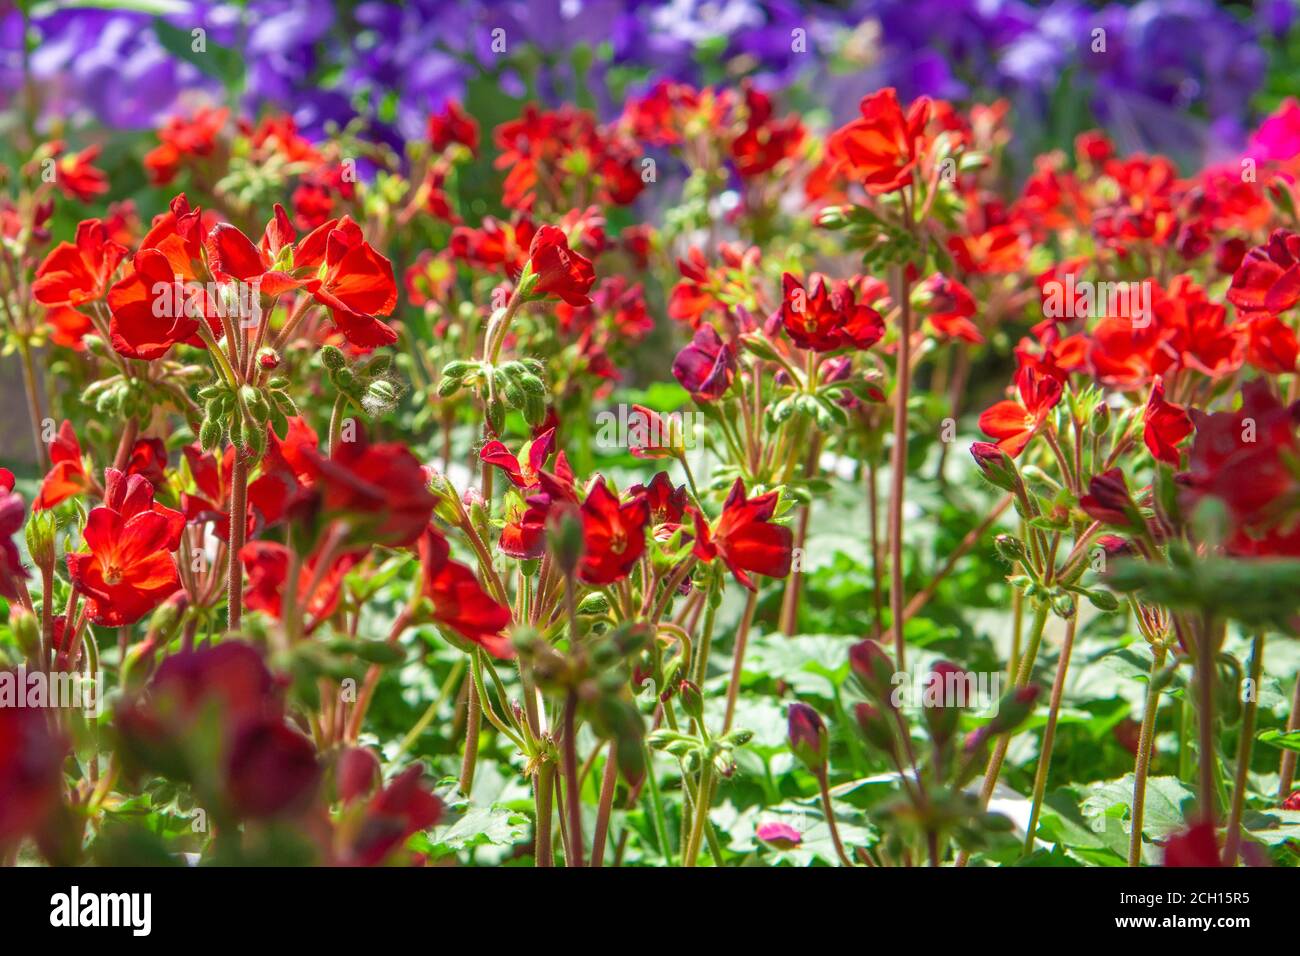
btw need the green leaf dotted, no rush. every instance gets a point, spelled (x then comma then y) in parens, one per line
(1281, 739)
(483, 826)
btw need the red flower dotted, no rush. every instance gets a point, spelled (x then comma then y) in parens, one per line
(881, 147)
(1198, 845)
(522, 470)
(667, 502)
(951, 307)
(1014, 423)
(287, 467)
(12, 514)
(745, 537)
(75, 175)
(75, 273)
(381, 491)
(764, 141)
(706, 367)
(1270, 343)
(129, 569)
(267, 566)
(31, 774)
(351, 279)
(1108, 499)
(232, 255)
(560, 271)
(67, 476)
(452, 125)
(459, 601)
(823, 320)
(1166, 425)
(613, 534)
(271, 770)
(1268, 279)
(184, 137)
(400, 810)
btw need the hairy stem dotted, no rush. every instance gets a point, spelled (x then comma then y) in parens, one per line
(1146, 745)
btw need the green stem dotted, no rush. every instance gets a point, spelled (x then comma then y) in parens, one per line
(544, 790)
(1244, 745)
(1049, 734)
(702, 803)
(1146, 746)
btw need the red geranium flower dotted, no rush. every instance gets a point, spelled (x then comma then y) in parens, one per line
(350, 279)
(825, 320)
(1014, 423)
(452, 125)
(613, 534)
(67, 476)
(182, 137)
(75, 273)
(745, 537)
(1166, 425)
(129, 569)
(560, 271)
(286, 468)
(951, 307)
(267, 565)
(764, 141)
(523, 469)
(883, 146)
(31, 774)
(1268, 279)
(667, 502)
(400, 810)
(75, 175)
(1198, 845)
(12, 514)
(707, 366)
(271, 770)
(459, 601)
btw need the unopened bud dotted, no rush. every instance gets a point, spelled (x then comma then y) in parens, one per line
(808, 738)
(874, 669)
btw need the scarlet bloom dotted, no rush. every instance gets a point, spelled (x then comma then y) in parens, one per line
(287, 467)
(67, 476)
(882, 147)
(129, 569)
(350, 279)
(75, 174)
(271, 770)
(381, 491)
(1166, 425)
(613, 534)
(825, 320)
(951, 308)
(232, 254)
(667, 502)
(560, 271)
(523, 469)
(1014, 423)
(745, 537)
(1196, 846)
(459, 601)
(31, 776)
(452, 125)
(1268, 279)
(75, 273)
(183, 137)
(267, 566)
(764, 141)
(707, 366)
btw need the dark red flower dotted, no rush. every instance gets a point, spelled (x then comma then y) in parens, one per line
(267, 566)
(764, 141)
(745, 537)
(459, 601)
(271, 770)
(67, 476)
(31, 775)
(400, 810)
(613, 534)
(706, 367)
(521, 469)
(1108, 499)
(951, 307)
(1268, 279)
(825, 320)
(12, 515)
(452, 125)
(1198, 845)
(667, 502)
(286, 468)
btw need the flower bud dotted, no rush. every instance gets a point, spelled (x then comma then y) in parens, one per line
(782, 836)
(875, 727)
(564, 536)
(332, 358)
(692, 700)
(945, 690)
(268, 359)
(1014, 709)
(874, 669)
(1009, 548)
(27, 632)
(40, 530)
(808, 738)
(996, 465)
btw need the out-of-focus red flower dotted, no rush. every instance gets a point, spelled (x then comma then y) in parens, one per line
(824, 320)
(271, 770)
(779, 835)
(613, 534)
(881, 148)
(12, 514)
(1108, 499)
(1292, 802)
(430, 278)
(400, 810)
(286, 468)
(276, 134)
(745, 537)
(379, 490)
(991, 241)
(560, 271)
(67, 476)
(1014, 423)
(522, 470)
(267, 566)
(951, 307)
(452, 125)
(182, 138)
(1093, 147)
(148, 457)
(764, 141)
(1270, 343)
(1198, 845)
(31, 776)
(129, 569)
(1194, 331)
(1143, 210)
(707, 366)
(459, 601)
(75, 273)
(75, 174)
(356, 773)
(1166, 424)
(1268, 279)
